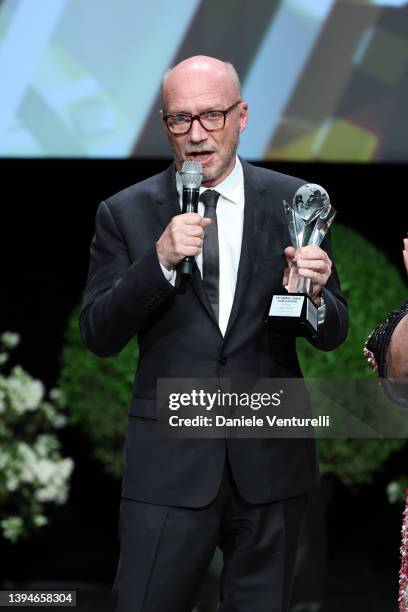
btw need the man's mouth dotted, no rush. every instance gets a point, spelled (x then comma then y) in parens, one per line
(201, 156)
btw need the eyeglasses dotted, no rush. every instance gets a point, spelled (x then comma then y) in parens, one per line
(212, 120)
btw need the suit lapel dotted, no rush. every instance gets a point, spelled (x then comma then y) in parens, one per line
(197, 284)
(167, 197)
(254, 213)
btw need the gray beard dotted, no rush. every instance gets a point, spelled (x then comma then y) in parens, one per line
(230, 156)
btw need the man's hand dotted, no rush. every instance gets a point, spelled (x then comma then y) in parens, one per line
(182, 237)
(405, 253)
(313, 263)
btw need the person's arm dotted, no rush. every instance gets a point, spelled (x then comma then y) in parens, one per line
(121, 295)
(397, 354)
(405, 253)
(387, 348)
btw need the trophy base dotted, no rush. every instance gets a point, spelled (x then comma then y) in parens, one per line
(293, 314)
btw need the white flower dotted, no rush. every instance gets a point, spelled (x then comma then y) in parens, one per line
(44, 471)
(40, 520)
(3, 358)
(393, 492)
(58, 396)
(12, 527)
(25, 453)
(65, 467)
(56, 419)
(54, 477)
(45, 444)
(25, 393)
(35, 470)
(52, 493)
(9, 339)
(12, 483)
(27, 460)
(49, 411)
(60, 420)
(4, 458)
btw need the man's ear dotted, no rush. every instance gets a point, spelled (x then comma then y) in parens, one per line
(163, 122)
(243, 116)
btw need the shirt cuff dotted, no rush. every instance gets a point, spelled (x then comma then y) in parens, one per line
(170, 275)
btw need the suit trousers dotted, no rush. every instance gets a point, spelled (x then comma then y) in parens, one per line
(166, 551)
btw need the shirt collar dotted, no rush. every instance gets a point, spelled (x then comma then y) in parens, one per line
(231, 188)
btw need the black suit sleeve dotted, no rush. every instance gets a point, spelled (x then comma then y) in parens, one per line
(335, 327)
(120, 294)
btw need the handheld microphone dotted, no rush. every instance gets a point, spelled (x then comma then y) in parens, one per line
(191, 177)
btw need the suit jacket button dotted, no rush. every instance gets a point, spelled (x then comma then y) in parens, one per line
(222, 359)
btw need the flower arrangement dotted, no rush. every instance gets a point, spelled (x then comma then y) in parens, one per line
(32, 471)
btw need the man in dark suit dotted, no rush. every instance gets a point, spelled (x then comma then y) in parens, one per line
(183, 497)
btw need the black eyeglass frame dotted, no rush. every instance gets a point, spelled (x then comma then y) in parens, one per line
(198, 117)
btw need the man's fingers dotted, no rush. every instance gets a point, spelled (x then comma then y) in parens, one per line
(285, 279)
(190, 251)
(187, 247)
(194, 230)
(180, 232)
(192, 241)
(315, 277)
(312, 262)
(311, 251)
(183, 237)
(194, 219)
(319, 265)
(188, 219)
(290, 252)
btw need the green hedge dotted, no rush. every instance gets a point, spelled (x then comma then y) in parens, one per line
(99, 390)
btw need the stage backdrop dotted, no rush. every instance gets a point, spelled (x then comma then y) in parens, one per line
(325, 79)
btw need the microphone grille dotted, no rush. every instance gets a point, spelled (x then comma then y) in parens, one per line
(191, 174)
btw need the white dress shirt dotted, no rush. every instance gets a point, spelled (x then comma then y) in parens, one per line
(230, 220)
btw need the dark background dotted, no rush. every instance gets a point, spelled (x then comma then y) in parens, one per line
(48, 213)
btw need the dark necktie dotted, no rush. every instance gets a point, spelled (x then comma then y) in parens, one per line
(211, 265)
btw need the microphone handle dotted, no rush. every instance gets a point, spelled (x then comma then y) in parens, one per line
(190, 204)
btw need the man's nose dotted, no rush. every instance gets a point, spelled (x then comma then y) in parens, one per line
(197, 133)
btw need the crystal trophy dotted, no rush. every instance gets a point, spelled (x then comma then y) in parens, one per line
(309, 217)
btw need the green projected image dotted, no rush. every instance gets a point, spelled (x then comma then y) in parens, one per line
(324, 79)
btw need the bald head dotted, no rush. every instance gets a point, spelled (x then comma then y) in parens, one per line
(205, 67)
(202, 96)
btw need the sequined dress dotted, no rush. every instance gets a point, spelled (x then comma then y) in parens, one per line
(376, 352)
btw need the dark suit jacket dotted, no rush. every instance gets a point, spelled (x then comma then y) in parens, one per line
(178, 337)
